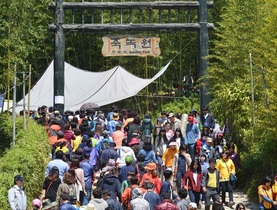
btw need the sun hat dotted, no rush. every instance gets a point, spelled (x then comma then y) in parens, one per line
(46, 204)
(105, 132)
(173, 143)
(171, 114)
(150, 166)
(89, 206)
(115, 116)
(133, 141)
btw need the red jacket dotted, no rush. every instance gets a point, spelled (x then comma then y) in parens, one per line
(189, 182)
(166, 205)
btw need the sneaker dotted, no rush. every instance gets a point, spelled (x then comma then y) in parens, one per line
(231, 203)
(199, 206)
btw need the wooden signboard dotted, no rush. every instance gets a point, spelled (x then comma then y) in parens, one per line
(130, 46)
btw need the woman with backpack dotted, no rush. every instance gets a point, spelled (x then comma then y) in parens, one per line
(68, 186)
(134, 129)
(148, 153)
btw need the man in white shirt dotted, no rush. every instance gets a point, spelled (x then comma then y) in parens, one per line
(16, 195)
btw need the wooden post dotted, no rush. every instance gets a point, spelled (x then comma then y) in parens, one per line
(203, 51)
(59, 57)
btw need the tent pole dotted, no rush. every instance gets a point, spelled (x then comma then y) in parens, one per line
(29, 89)
(147, 93)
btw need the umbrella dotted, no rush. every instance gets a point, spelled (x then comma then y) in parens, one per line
(89, 105)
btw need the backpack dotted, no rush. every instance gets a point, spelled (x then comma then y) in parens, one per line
(72, 194)
(140, 169)
(105, 144)
(100, 181)
(137, 204)
(112, 205)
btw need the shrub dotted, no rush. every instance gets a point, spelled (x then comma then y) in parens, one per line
(5, 132)
(28, 157)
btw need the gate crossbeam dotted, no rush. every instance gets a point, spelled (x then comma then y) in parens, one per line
(165, 27)
(131, 5)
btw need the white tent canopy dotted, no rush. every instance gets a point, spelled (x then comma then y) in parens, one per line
(83, 86)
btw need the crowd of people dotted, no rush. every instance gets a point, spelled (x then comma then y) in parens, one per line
(120, 161)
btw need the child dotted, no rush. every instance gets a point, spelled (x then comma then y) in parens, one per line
(127, 183)
(167, 186)
(152, 197)
(168, 156)
(123, 173)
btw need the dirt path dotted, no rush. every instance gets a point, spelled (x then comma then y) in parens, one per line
(239, 197)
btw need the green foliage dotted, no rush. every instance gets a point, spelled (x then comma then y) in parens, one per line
(5, 133)
(28, 157)
(183, 106)
(247, 27)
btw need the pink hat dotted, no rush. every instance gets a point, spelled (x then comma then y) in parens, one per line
(133, 141)
(220, 133)
(36, 203)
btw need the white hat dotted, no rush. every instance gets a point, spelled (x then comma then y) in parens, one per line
(171, 115)
(173, 143)
(209, 139)
(193, 205)
(90, 206)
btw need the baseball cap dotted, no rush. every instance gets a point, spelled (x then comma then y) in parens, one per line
(18, 178)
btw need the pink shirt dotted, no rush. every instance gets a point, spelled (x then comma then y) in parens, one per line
(118, 137)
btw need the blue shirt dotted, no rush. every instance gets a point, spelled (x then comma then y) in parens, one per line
(88, 172)
(149, 156)
(152, 198)
(192, 132)
(67, 206)
(60, 164)
(98, 146)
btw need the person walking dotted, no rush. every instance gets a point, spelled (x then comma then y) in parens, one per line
(226, 166)
(16, 195)
(191, 137)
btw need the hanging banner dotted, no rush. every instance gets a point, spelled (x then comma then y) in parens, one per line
(130, 46)
(2, 101)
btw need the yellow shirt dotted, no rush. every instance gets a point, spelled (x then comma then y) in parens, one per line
(76, 142)
(225, 171)
(212, 180)
(63, 149)
(168, 156)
